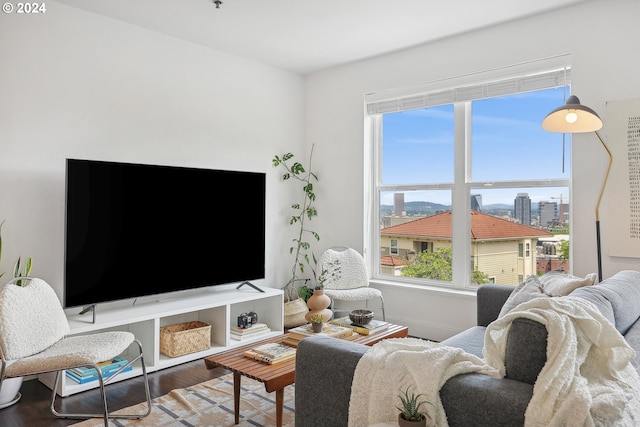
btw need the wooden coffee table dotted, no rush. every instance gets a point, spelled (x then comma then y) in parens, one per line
(277, 377)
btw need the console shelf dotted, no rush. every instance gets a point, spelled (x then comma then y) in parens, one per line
(219, 307)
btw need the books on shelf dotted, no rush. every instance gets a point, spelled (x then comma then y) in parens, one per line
(106, 366)
(329, 330)
(85, 374)
(252, 331)
(271, 353)
(83, 380)
(370, 328)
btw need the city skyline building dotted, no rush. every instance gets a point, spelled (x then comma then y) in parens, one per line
(476, 202)
(522, 208)
(548, 212)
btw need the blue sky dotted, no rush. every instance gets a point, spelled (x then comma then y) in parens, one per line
(508, 143)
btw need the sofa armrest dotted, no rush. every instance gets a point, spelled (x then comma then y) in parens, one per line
(490, 299)
(324, 373)
(483, 401)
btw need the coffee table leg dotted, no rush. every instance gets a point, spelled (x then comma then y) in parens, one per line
(279, 406)
(236, 395)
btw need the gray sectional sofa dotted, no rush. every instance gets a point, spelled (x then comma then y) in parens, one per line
(325, 366)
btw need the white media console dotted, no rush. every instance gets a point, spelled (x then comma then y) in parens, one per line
(217, 306)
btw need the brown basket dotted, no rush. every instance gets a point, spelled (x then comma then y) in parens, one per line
(184, 338)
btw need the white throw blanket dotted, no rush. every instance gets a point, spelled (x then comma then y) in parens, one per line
(393, 365)
(588, 379)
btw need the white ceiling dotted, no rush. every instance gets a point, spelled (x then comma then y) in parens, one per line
(304, 36)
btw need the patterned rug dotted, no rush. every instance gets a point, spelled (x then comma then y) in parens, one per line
(211, 404)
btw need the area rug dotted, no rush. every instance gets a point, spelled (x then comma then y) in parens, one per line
(210, 404)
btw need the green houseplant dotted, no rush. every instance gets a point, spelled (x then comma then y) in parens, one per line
(410, 413)
(19, 270)
(317, 321)
(10, 388)
(295, 307)
(332, 271)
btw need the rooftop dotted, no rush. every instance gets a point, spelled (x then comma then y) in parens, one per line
(483, 227)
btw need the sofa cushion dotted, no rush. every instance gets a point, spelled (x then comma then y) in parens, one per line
(617, 298)
(559, 283)
(470, 340)
(529, 289)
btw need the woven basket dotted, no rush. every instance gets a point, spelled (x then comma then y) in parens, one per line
(294, 312)
(184, 338)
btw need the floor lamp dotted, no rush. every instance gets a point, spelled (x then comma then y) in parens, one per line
(574, 117)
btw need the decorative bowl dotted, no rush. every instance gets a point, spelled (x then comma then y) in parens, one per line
(361, 316)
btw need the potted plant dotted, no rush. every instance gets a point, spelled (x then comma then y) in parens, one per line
(17, 267)
(10, 387)
(295, 307)
(410, 414)
(317, 322)
(331, 271)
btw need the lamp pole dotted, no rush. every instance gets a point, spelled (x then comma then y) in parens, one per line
(573, 117)
(604, 183)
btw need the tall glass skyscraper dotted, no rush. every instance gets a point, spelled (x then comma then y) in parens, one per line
(522, 208)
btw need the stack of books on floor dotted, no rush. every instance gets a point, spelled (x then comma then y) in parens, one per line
(370, 328)
(253, 331)
(271, 353)
(85, 374)
(294, 335)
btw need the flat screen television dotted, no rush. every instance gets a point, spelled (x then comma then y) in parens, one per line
(134, 230)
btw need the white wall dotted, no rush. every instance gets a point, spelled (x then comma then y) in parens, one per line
(601, 37)
(74, 84)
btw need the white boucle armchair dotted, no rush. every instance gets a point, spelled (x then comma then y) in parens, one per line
(351, 283)
(33, 340)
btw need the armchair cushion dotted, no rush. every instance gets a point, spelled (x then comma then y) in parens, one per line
(31, 319)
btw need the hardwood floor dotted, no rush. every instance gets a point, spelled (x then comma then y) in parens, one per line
(33, 408)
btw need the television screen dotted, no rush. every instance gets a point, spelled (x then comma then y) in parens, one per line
(134, 230)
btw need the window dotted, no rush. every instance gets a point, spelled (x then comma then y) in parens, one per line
(462, 170)
(394, 247)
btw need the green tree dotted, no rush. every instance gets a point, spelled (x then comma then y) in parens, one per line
(437, 266)
(431, 265)
(478, 277)
(564, 249)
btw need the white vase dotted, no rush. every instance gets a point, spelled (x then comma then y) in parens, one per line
(10, 391)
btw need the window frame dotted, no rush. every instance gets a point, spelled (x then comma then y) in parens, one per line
(462, 187)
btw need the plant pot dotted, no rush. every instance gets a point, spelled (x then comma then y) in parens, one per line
(318, 303)
(10, 391)
(406, 423)
(317, 326)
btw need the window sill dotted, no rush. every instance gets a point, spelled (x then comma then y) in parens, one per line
(389, 284)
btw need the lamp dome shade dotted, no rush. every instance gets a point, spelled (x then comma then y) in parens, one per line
(572, 117)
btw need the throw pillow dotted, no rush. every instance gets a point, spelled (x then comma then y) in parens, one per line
(529, 289)
(559, 283)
